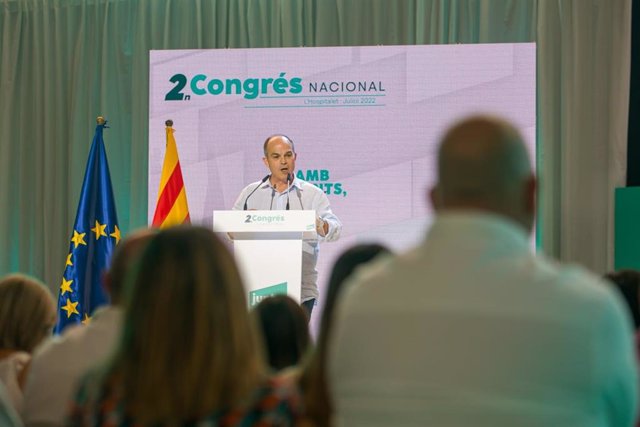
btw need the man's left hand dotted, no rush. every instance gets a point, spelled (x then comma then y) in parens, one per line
(322, 227)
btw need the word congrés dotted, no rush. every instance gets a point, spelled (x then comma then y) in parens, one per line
(201, 84)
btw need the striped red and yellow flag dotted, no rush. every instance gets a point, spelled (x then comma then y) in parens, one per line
(171, 208)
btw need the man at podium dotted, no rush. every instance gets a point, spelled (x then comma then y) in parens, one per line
(281, 190)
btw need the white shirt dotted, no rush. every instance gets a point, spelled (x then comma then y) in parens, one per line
(58, 364)
(11, 367)
(472, 328)
(301, 196)
(8, 415)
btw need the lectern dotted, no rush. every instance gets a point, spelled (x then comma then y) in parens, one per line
(267, 247)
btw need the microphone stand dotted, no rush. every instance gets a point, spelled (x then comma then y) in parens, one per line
(288, 189)
(253, 191)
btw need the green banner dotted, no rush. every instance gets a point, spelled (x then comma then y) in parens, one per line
(627, 228)
(259, 294)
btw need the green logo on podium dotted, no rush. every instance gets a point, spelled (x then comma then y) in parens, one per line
(259, 294)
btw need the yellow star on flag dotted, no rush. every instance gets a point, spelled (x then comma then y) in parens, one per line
(70, 308)
(86, 320)
(99, 230)
(68, 261)
(66, 286)
(78, 239)
(116, 234)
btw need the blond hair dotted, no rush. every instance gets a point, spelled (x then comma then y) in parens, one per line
(27, 312)
(188, 347)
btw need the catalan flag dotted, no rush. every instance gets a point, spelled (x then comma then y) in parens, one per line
(94, 237)
(171, 207)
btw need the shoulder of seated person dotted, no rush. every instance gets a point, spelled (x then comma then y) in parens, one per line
(288, 376)
(71, 334)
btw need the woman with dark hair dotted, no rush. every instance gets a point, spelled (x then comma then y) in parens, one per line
(284, 326)
(317, 401)
(189, 352)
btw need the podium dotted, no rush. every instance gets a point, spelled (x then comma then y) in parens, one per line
(267, 246)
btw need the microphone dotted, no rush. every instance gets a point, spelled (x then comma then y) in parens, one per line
(254, 190)
(273, 194)
(288, 188)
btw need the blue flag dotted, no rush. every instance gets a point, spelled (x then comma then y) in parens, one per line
(94, 237)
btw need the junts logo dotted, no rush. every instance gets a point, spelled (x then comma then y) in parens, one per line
(259, 294)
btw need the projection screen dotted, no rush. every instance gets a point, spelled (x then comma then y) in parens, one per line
(365, 122)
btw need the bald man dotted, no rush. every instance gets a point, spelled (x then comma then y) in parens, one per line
(473, 328)
(282, 190)
(58, 364)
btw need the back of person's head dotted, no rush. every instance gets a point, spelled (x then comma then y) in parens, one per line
(342, 269)
(27, 312)
(314, 385)
(484, 165)
(285, 330)
(188, 347)
(628, 283)
(123, 260)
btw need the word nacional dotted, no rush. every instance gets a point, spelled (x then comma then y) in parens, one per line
(348, 87)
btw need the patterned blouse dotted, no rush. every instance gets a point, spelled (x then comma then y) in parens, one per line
(276, 403)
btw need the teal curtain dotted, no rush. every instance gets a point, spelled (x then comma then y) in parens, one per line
(64, 62)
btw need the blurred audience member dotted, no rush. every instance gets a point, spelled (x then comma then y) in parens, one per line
(189, 354)
(8, 416)
(284, 327)
(473, 328)
(27, 317)
(317, 401)
(628, 283)
(59, 363)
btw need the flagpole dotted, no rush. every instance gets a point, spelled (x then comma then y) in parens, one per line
(171, 205)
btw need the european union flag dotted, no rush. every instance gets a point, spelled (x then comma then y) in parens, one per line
(95, 236)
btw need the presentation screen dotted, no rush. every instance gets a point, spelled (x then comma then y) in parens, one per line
(365, 122)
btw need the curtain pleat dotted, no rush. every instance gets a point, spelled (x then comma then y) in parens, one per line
(65, 62)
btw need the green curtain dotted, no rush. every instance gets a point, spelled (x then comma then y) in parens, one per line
(64, 62)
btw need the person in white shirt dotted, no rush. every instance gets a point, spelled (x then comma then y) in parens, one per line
(473, 328)
(59, 363)
(8, 415)
(282, 190)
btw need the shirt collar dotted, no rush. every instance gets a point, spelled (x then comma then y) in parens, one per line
(297, 183)
(474, 225)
